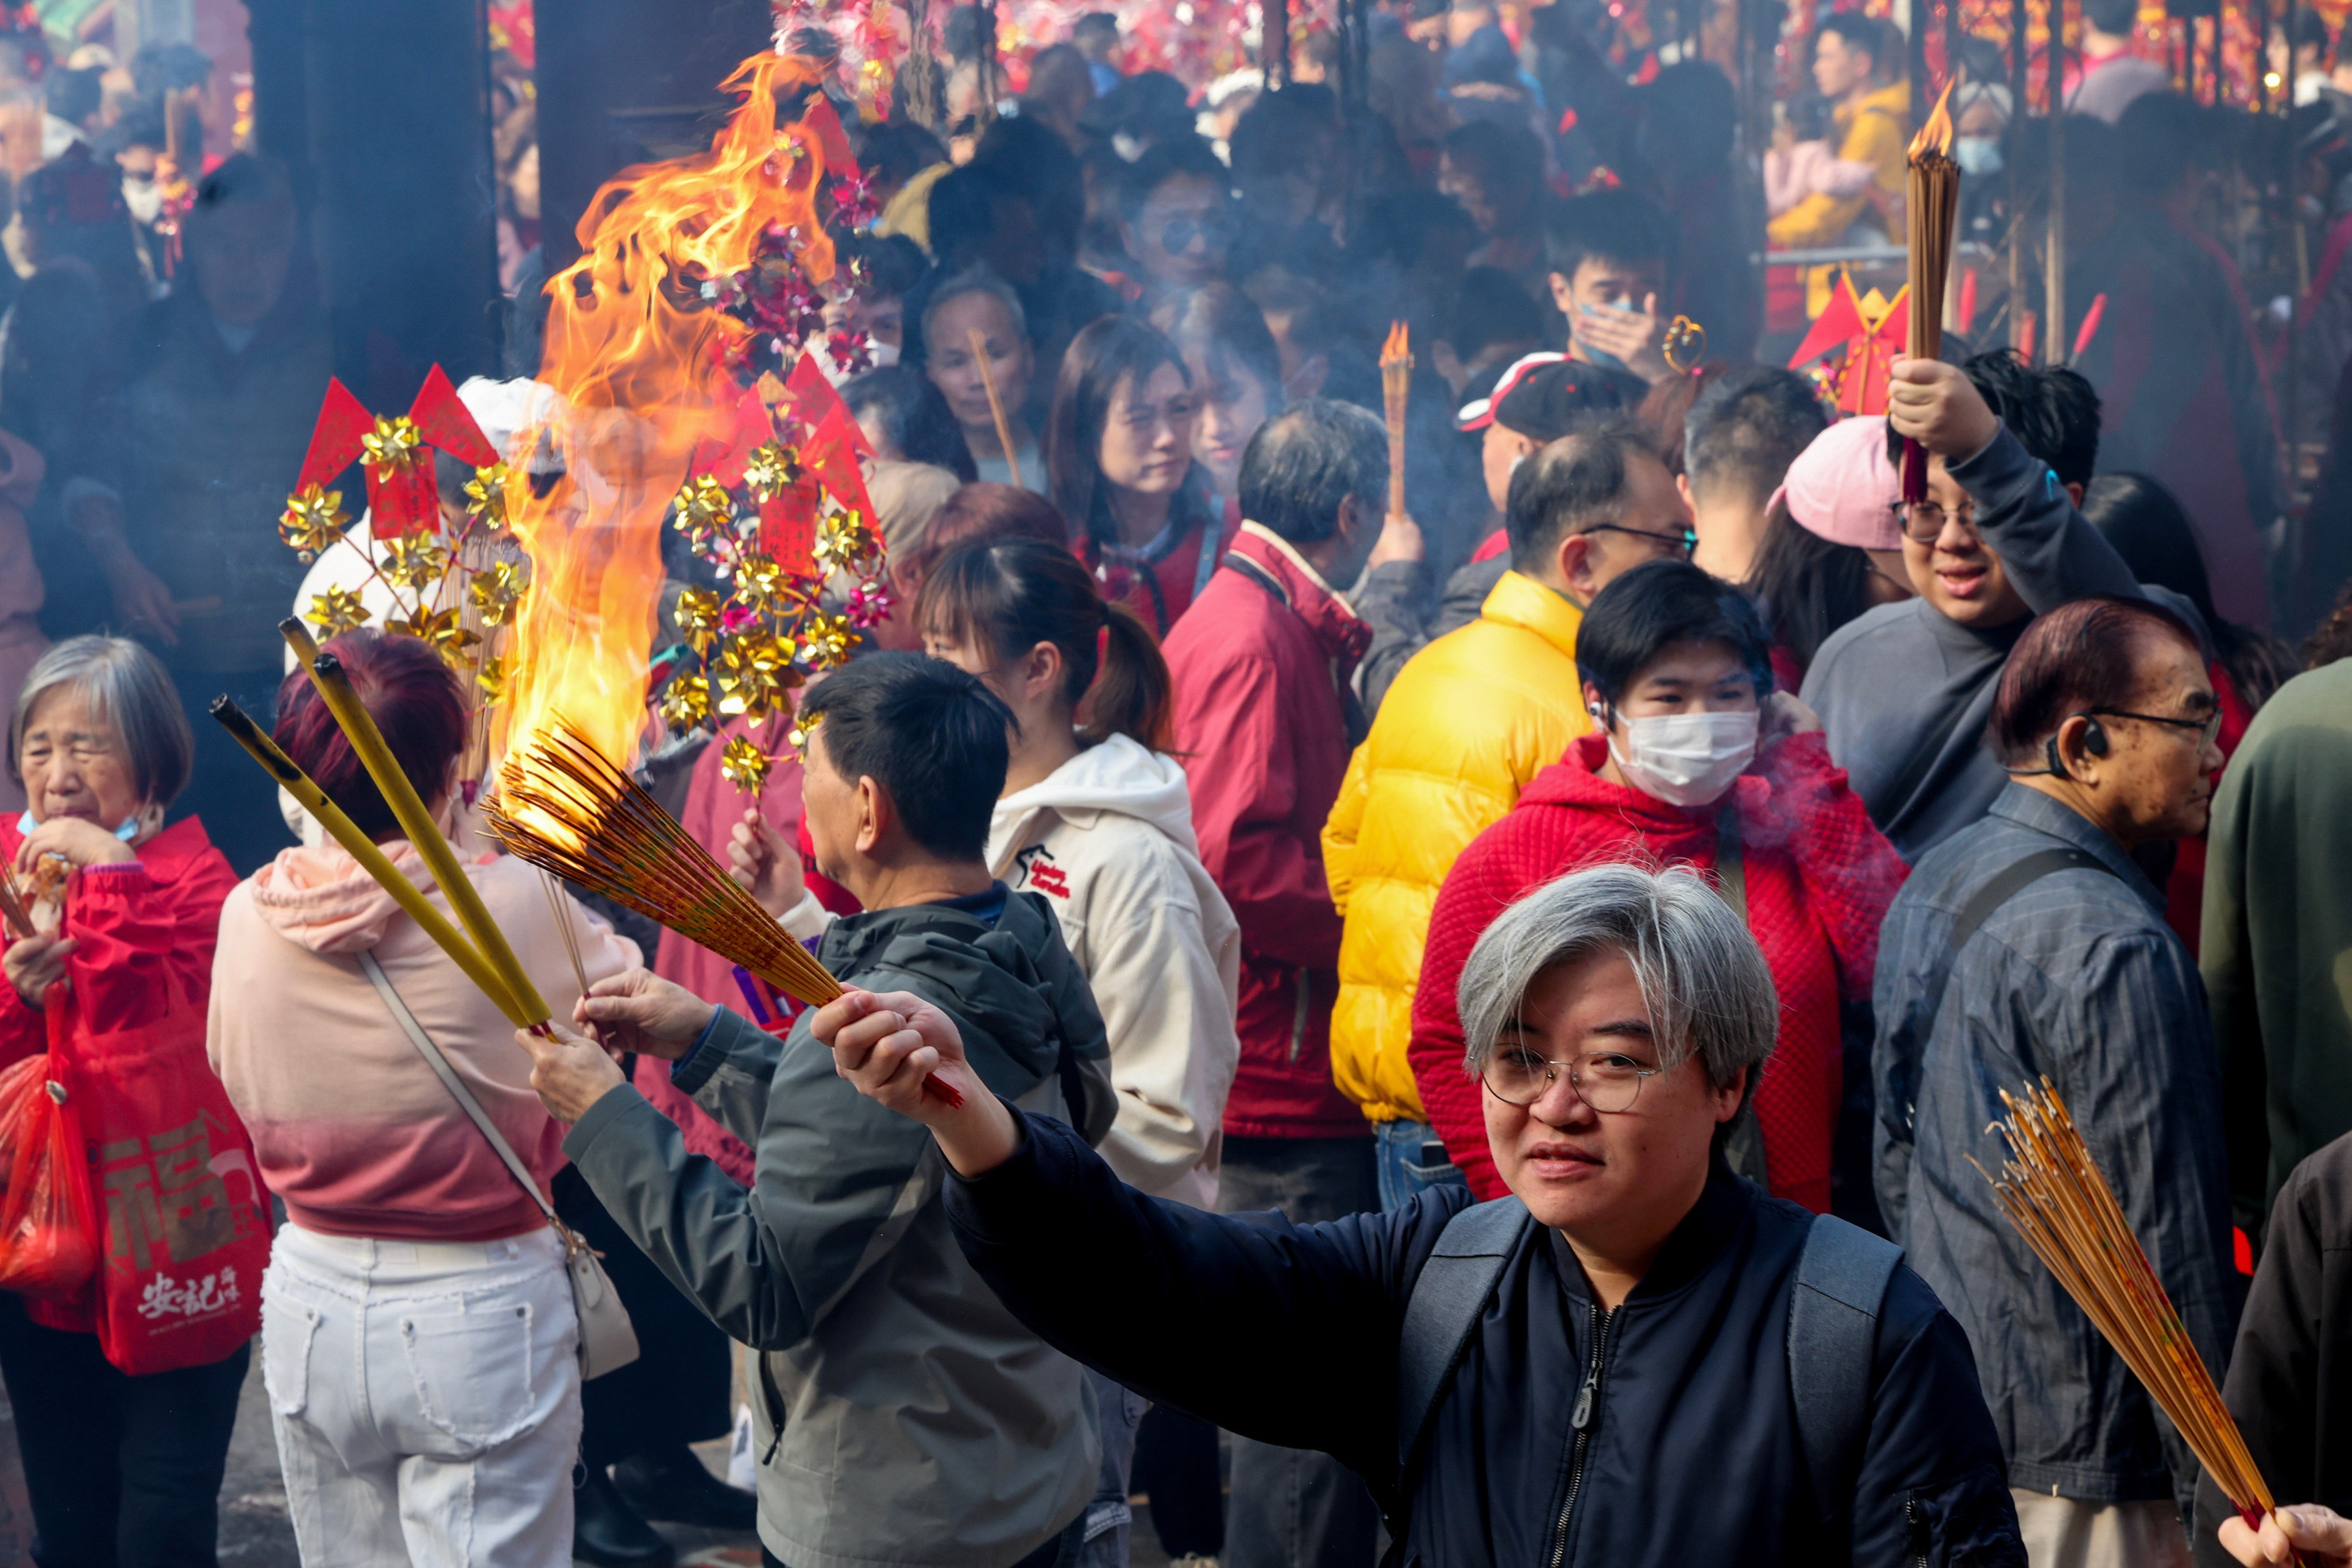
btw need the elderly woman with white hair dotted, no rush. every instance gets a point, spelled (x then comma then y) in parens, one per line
(1636, 1356)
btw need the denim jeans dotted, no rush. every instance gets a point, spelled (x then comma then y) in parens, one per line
(1411, 1161)
(1109, 1520)
(1289, 1508)
(426, 1398)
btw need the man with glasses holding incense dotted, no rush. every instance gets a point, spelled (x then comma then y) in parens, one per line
(1469, 720)
(2031, 947)
(1905, 690)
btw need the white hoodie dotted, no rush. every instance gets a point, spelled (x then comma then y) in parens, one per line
(1107, 841)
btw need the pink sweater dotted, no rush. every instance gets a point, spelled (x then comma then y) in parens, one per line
(352, 1129)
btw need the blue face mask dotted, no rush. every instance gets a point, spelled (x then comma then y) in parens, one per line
(1977, 155)
(127, 832)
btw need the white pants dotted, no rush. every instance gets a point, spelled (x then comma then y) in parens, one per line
(2066, 1532)
(426, 1399)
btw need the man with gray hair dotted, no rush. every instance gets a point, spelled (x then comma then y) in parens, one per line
(1751, 1383)
(1265, 720)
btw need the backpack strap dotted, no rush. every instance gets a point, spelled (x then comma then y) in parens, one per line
(1832, 1337)
(1447, 1301)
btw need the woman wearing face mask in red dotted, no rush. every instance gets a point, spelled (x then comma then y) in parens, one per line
(1695, 762)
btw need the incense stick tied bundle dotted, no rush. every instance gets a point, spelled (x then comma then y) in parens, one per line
(1396, 384)
(1931, 211)
(2062, 1206)
(425, 835)
(995, 404)
(564, 807)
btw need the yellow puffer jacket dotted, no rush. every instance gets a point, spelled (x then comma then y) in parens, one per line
(1470, 720)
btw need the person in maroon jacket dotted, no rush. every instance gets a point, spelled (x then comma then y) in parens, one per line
(1698, 763)
(1264, 721)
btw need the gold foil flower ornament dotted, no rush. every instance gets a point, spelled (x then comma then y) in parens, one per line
(685, 700)
(414, 562)
(336, 611)
(394, 445)
(486, 495)
(313, 518)
(743, 764)
(697, 614)
(774, 469)
(496, 590)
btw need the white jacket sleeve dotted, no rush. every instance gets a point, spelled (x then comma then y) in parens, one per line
(1169, 1013)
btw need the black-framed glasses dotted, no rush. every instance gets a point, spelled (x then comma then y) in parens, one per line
(1609, 1081)
(1923, 520)
(1684, 542)
(2209, 728)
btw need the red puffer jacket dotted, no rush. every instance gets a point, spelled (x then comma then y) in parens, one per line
(1261, 664)
(1819, 877)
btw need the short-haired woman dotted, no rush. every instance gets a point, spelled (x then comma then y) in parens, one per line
(419, 1338)
(1118, 449)
(1695, 763)
(1591, 1370)
(975, 337)
(116, 1467)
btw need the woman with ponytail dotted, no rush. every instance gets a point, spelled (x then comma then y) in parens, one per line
(1095, 819)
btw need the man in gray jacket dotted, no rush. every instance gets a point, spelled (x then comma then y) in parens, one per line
(1904, 691)
(904, 1417)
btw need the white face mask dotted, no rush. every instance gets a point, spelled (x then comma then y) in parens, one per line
(884, 355)
(1685, 759)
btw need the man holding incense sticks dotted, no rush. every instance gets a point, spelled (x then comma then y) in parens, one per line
(903, 1416)
(2030, 947)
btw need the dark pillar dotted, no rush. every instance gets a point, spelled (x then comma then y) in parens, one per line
(621, 81)
(403, 215)
(277, 31)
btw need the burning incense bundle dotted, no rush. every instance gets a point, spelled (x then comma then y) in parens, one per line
(1931, 210)
(1396, 384)
(563, 806)
(2068, 1214)
(995, 405)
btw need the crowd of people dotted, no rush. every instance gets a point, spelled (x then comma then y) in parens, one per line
(1376, 1030)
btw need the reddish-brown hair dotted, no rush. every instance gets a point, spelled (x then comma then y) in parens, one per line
(413, 696)
(2081, 657)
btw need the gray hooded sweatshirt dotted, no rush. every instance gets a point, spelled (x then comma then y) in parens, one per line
(905, 1420)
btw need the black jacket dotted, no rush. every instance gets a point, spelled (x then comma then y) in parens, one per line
(1289, 1334)
(2290, 1384)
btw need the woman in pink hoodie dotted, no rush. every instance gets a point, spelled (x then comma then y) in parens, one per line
(419, 1342)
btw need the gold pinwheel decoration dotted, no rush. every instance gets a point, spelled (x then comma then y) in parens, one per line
(755, 670)
(826, 640)
(414, 562)
(337, 611)
(496, 590)
(761, 583)
(313, 518)
(845, 537)
(439, 630)
(486, 495)
(685, 700)
(774, 469)
(704, 510)
(394, 445)
(491, 681)
(743, 764)
(697, 614)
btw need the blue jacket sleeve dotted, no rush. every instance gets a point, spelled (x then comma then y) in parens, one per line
(1282, 1332)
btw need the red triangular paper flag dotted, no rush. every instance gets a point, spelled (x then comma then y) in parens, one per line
(831, 458)
(831, 139)
(724, 452)
(335, 439)
(810, 398)
(1838, 323)
(444, 420)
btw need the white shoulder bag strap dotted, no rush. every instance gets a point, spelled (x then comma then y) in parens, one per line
(607, 1339)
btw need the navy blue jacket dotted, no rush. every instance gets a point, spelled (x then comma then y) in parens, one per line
(1289, 1334)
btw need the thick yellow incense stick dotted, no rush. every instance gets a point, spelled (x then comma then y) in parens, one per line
(371, 859)
(995, 405)
(440, 856)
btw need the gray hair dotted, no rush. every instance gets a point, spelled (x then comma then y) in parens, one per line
(1308, 459)
(124, 681)
(1702, 976)
(977, 279)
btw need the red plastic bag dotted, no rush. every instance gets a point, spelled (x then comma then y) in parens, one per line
(18, 1082)
(49, 1243)
(182, 1222)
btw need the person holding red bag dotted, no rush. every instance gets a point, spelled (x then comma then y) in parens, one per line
(125, 1393)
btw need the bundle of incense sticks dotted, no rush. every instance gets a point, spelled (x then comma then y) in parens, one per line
(1396, 384)
(1931, 210)
(2068, 1214)
(561, 806)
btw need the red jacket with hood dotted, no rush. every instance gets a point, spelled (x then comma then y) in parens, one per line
(1261, 664)
(1819, 877)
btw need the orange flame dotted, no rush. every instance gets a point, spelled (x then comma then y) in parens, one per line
(1399, 345)
(637, 353)
(1936, 135)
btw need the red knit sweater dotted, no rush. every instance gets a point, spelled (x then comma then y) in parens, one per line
(1819, 878)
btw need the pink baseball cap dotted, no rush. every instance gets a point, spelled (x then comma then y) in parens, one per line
(1843, 488)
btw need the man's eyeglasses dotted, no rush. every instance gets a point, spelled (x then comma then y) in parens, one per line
(1923, 520)
(1683, 542)
(1609, 1081)
(2209, 728)
(1177, 236)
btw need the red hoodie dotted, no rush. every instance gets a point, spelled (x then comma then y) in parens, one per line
(1819, 878)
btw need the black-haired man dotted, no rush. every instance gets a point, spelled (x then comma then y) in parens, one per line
(1176, 217)
(1904, 691)
(1608, 254)
(904, 1416)
(2114, 72)
(1858, 67)
(1746, 428)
